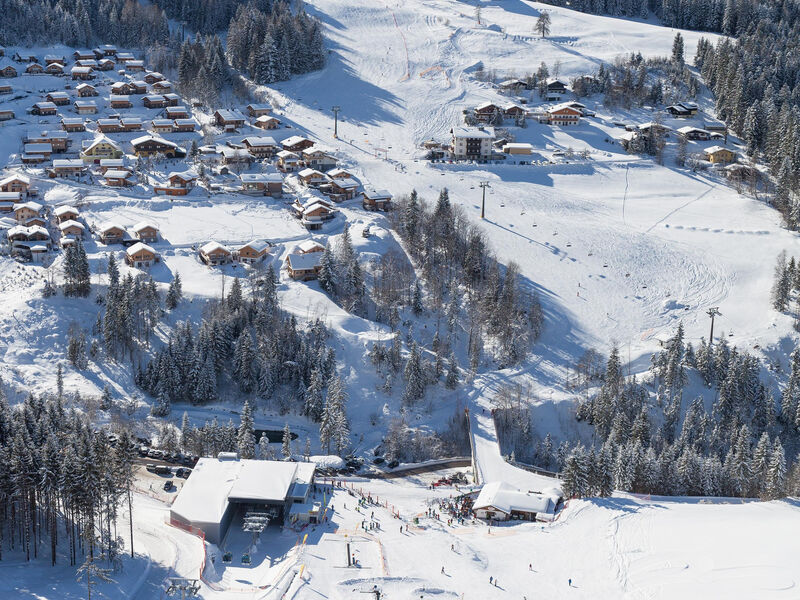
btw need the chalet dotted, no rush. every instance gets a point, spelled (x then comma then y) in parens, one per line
(134, 65)
(150, 145)
(66, 213)
(154, 101)
(339, 190)
(258, 110)
(184, 125)
(563, 114)
(719, 155)
(176, 112)
(229, 119)
(694, 133)
(162, 126)
(7, 89)
(303, 267)
(682, 110)
(120, 101)
(288, 161)
(179, 184)
(90, 62)
(72, 228)
(486, 112)
(154, 77)
(318, 159)
(19, 184)
(253, 252)
(498, 501)
(118, 178)
(86, 91)
(555, 89)
(214, 253)
(70, 167)
(109, 125)
(296, 143)
(140, 255)
(120, 88)
(137, 87)
(513, 86)
(513, 111)
(50, 59)
(339, 174)
(106, 64)
(111, 233)
(44, 109)
(261, 147)
(715, 126)
(34, 69)
(112, 163)
(131, 124)
(267, 122)
(8, 200)
(308, 246)
(313, 213)
(172, 99)
(377, 200)
(81, 73)
(99, 148)
(25, 211)
(107, 50)
(650, 128)
(231, 156)
(58, 140)
(25, 57)
(124, 57)
(35, 233)
(7, 69)
(58, 98)
(6, 115)
(162, 87)
(33, 159)
(312, 177)
(145, 232)
(54, 69)
(85, 107)
(472, 143)
(83, 55)
(263, 184)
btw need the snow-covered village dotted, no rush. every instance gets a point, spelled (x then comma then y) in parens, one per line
(409, 299)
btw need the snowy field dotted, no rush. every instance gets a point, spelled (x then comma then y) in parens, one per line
(620, 547)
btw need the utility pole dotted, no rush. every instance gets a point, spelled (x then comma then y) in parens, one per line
(336, 110)
(712, 312)
(484, 185)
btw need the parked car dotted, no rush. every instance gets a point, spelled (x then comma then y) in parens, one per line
(168, 485)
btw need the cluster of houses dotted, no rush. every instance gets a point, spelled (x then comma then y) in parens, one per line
(215, 253)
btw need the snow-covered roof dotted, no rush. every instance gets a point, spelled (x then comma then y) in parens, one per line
(345, 183)
(295, 139)
(187, 175)
(501, 496)
(304, 262)
(23, 178)
(70, 223)
(205, 495)
(309, 246)
(147, 138)
(338, 171)
(485, 105)
(563, 106)
(267, 118)
(261, 177)
(260, 106)
(517, 146)
(109, 225)
(256, 245)
(212, 246)
(38, 148)
(713, 149)
(34, 206)
(65, 210)
(112, 162)
(67, 163)
(474, 132)
(230, 115)
(287, 154)
(101, 140)
(81, 70)
(309, 172)
(117, 174)
(142, 225)
(688, 129)
(259, 141)
(139, 247)
(378, 194)
(58, 95)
